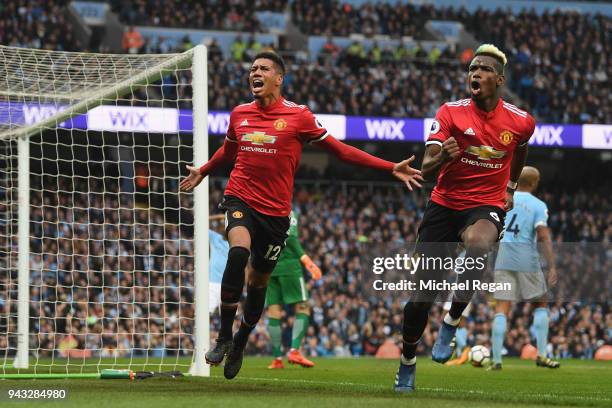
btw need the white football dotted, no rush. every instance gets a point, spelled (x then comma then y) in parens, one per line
(480, 356)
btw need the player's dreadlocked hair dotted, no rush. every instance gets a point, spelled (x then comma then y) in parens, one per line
(492, 51)
(274, 57)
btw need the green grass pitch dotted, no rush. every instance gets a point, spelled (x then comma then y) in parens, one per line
(342, 383)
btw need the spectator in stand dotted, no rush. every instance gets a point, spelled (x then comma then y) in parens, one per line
(355, 56)
(203, 14)
(132, 41)
(466, 57)
(329, 52)
(37, 24)
(186, 43)
(238, 49)
(253, 48)
(214, 51)
(375, 53)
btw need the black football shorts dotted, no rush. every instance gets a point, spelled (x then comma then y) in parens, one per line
(268, 233)
(443, 224)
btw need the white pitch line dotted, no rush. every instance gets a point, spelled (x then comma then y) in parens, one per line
(447, 390)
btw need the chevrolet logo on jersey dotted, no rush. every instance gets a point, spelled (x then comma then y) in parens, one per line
(485, 152)
(258, 138)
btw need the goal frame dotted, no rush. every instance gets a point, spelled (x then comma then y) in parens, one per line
(197, 59)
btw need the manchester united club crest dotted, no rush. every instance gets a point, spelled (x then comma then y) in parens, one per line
(280, 124)
(506, 137)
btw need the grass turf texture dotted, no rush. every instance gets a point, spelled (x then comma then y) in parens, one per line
(334, 382)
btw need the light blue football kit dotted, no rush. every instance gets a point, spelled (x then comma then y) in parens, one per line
(518, 262)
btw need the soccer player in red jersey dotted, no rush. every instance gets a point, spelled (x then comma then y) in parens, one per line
(265, 137)
(477, 148)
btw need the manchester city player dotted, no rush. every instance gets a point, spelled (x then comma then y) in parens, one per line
(518, 263)
(219, 248)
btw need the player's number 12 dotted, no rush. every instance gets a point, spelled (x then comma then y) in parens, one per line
(273, 252)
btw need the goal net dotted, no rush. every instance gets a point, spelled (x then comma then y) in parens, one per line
(98, 247)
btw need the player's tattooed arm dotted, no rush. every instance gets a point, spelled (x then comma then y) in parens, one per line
(436, 156)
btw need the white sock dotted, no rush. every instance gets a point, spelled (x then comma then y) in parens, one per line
(449, 320)
(403, 360)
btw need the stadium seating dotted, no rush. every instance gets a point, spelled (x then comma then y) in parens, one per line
(35, 24)
(336, 232)
(556, 59)
(561, 74)
(235, 15)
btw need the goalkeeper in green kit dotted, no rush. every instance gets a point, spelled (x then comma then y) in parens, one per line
(287, 287)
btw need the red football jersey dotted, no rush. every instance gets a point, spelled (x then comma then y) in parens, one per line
(487, 141)
(270, 141)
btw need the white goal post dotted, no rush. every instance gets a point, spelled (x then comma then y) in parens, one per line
(103, 262)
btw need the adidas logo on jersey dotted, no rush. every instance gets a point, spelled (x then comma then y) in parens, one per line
(244, 123)
(470, 132)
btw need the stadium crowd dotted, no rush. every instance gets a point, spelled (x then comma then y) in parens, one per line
(341, 229)
(112, 275)
(559, 62)
(561, 77)
(401, 90)
(107, 273)
(36, 24)
(342, 19)
(81, 299)
(556, 59)
(236, 15)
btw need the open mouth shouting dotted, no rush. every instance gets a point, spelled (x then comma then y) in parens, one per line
(475, 88)
(257, 84)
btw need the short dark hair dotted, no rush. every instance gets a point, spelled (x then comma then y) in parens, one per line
(274, 57)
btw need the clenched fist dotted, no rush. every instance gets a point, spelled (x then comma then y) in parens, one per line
(450, 149)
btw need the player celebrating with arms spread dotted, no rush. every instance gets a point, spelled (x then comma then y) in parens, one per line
(477, 147)
(266, 138)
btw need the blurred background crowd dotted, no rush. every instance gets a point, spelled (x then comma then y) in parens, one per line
(559, 61)
(114, 274)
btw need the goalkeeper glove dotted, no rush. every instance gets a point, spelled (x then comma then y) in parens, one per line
(314, 270)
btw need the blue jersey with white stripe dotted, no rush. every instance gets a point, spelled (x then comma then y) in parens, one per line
(218, 256)
(518, 249)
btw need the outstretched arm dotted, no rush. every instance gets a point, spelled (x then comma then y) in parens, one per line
(225, 154)
(352, 155)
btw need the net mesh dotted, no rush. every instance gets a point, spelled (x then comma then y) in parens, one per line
(111, 239)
